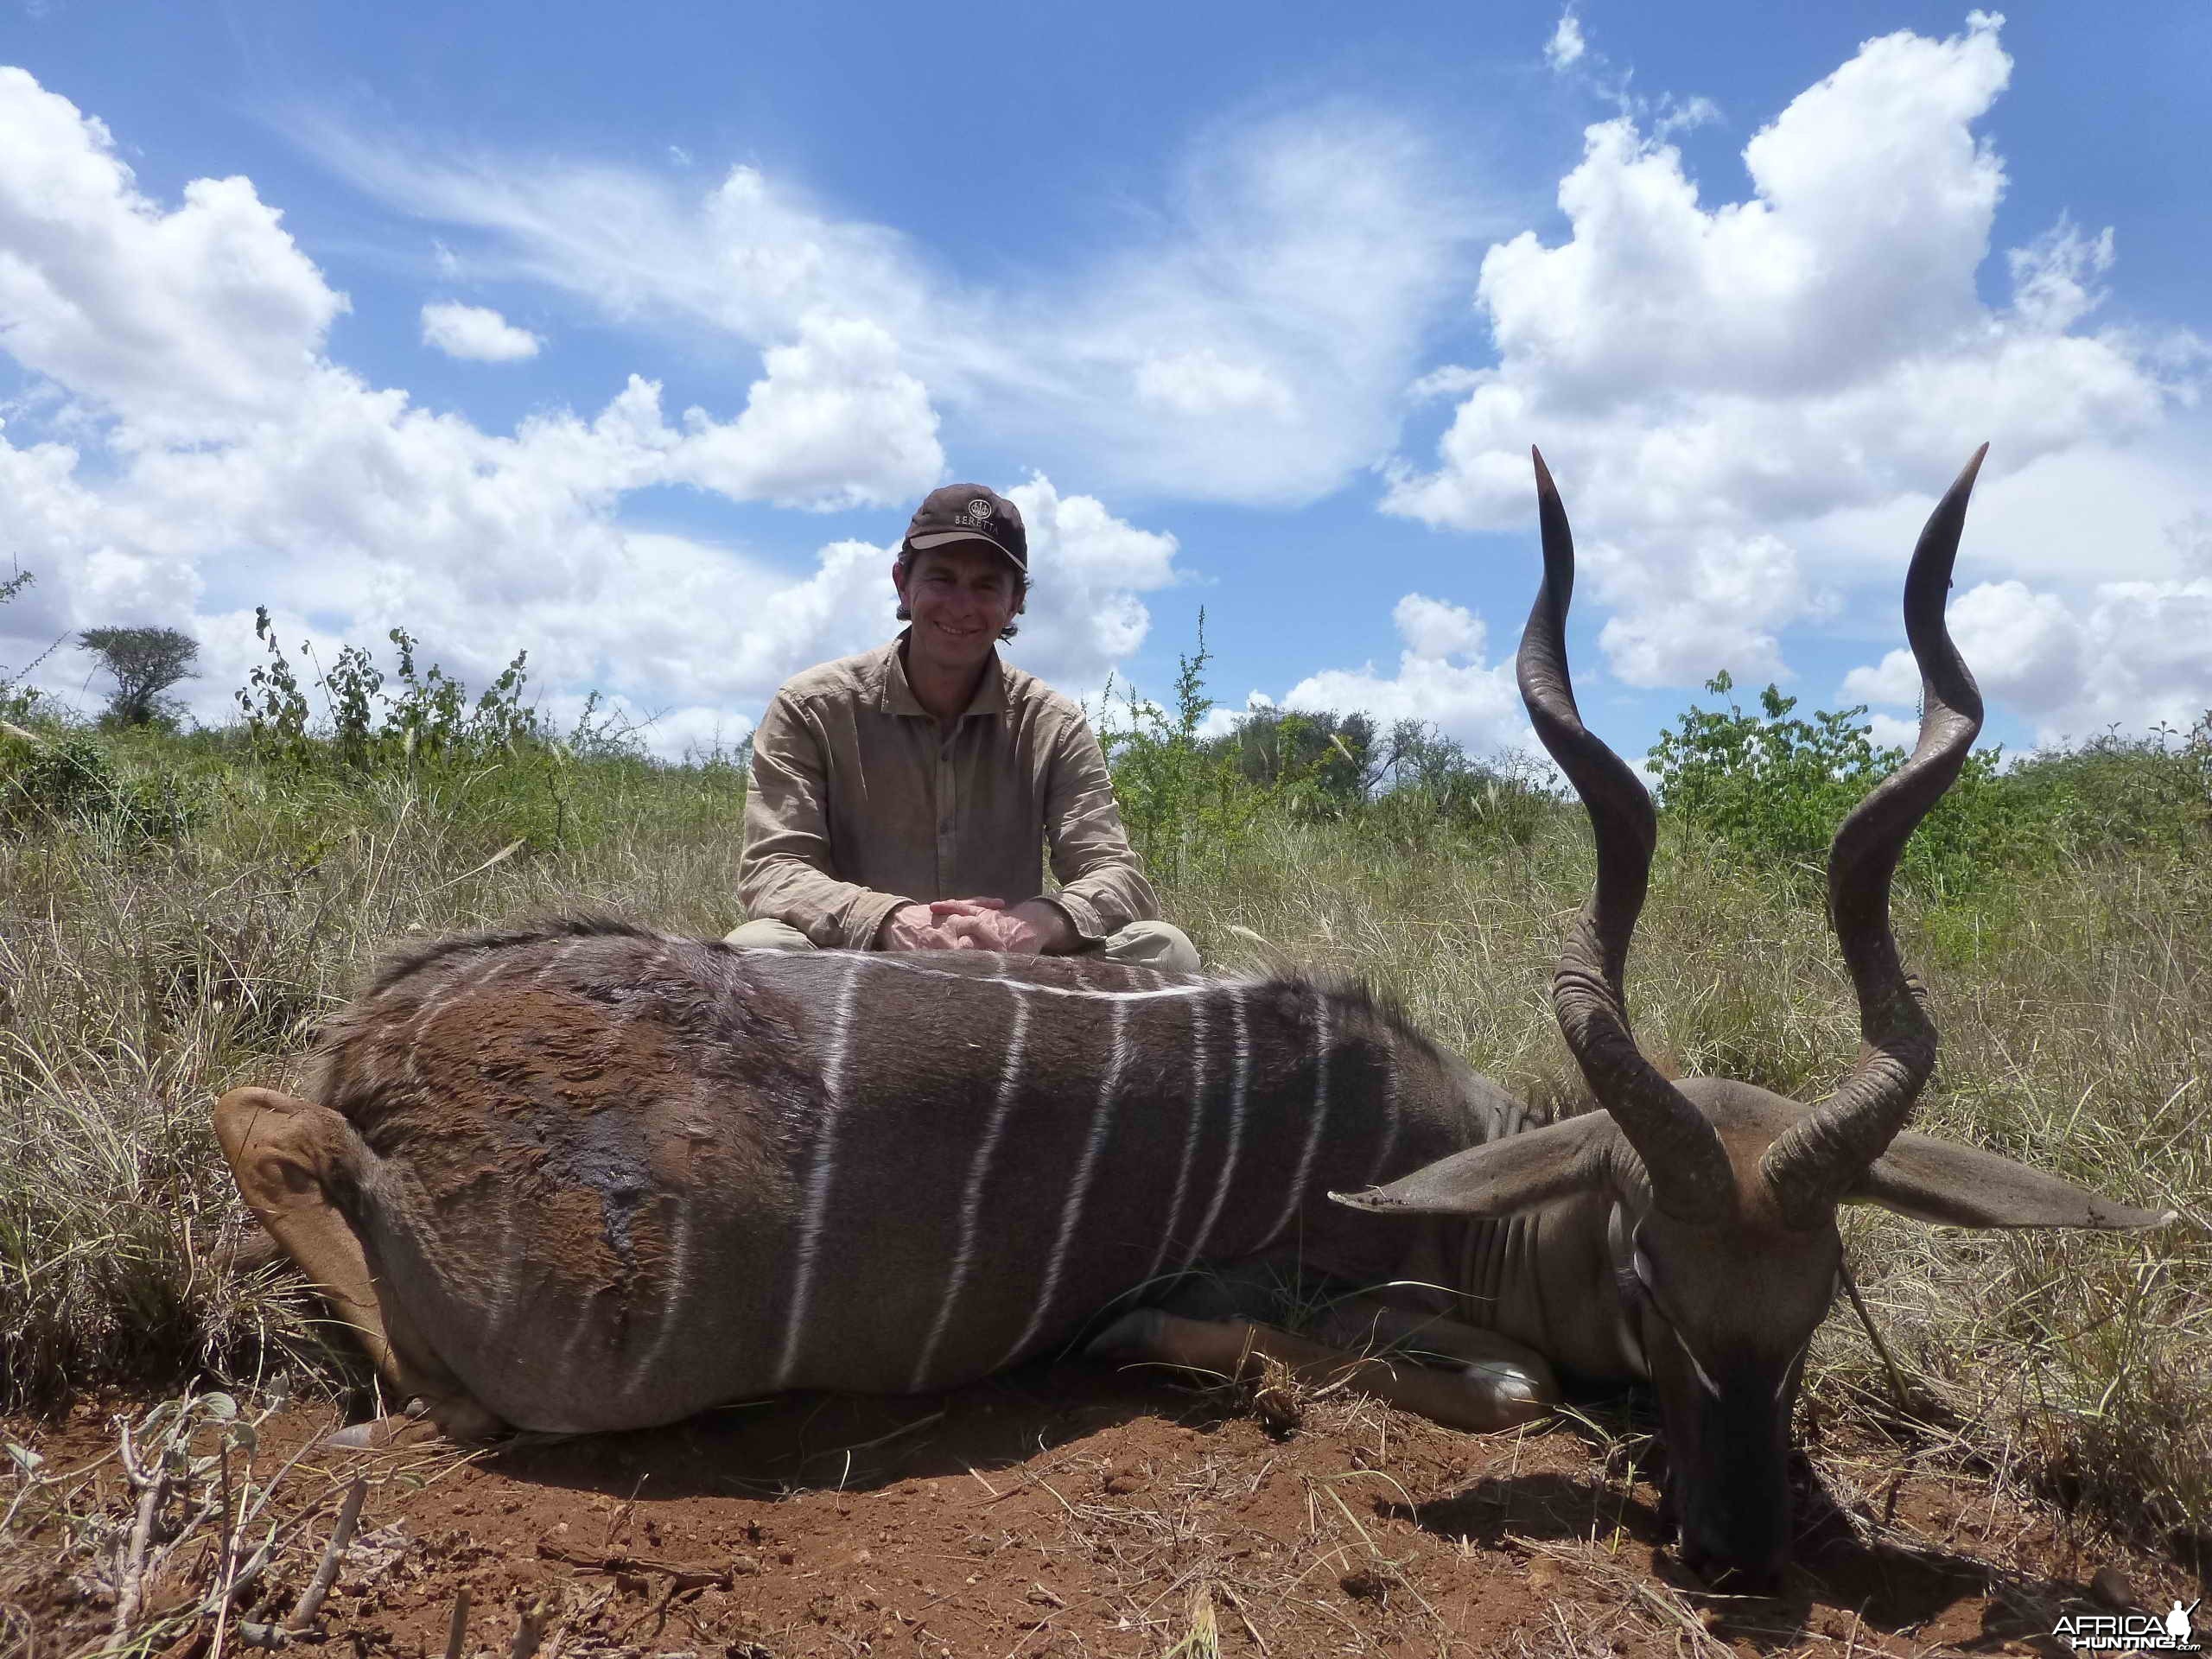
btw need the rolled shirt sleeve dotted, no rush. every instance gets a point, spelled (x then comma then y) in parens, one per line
(784, 872)
(1103, 885)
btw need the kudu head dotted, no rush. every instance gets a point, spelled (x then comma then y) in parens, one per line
(1719, 1198)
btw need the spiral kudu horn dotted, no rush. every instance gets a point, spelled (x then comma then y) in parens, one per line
(1811, 1165)
(1689, 1170)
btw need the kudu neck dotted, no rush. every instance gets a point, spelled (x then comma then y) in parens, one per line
(1545, 1278)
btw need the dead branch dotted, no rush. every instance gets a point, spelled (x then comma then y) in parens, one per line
(325, 1573)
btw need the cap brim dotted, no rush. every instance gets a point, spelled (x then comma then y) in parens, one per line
(922, 543)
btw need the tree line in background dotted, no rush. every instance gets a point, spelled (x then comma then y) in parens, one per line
(1767, 784)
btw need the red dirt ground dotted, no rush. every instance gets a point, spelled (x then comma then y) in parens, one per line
(1066, 1511)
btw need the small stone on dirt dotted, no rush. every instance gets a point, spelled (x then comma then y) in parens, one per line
(1368, 1583)
(373, 1554)
(1545, 1574)
(1278, 1410)
(2109, 1586)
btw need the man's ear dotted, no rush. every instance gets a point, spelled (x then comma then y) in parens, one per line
(1504, 1177)
(1953, 1186)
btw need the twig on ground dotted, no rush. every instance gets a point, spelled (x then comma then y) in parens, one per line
(686, 1577)
(457, 1626)
(1897, 1376)
(325, 1573)
(531, 1630)
(131, 1587)
(228, 1573)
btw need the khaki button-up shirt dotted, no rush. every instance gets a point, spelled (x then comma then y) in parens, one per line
(860, 802)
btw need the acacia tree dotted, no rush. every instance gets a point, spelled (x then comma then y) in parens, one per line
(144, 663)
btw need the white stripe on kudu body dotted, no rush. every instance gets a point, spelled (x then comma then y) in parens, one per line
(639, 997)
(1320, 1115)
(1190, 1136)
(1240, 1073)
(1390, 1108)
(1101, 1118)
(502, 1302)
(895, 962)
(971, 1203)
(818, 1180)
(552, 963)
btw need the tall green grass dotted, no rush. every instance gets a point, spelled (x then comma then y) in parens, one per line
(148, 962)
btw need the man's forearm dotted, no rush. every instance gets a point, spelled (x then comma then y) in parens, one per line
(834, 914)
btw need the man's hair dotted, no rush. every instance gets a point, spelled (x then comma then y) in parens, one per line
(905, 565)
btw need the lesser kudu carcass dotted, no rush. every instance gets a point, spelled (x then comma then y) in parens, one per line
(584, 1177)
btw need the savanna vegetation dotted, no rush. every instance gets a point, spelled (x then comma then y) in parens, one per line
(179, 908)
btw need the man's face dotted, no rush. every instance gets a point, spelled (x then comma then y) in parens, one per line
(960, 597)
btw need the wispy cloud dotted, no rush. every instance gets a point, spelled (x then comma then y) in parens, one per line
(1249, 346)
(1565, 48)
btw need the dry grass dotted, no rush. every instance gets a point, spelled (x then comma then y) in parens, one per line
(138, 982)
(189, 1522)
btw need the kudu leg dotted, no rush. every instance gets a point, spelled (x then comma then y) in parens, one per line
(1367, 1325)
(279, 1149)
(1494, 1383)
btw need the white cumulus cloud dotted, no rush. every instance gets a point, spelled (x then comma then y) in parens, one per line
(1441, 679)
(836, 422)
(1719, 604)
(476, 333)
(1733, 393)
(192, 318)
(2130, 654)
(188, 449)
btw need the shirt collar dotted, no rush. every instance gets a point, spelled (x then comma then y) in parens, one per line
(898, 696)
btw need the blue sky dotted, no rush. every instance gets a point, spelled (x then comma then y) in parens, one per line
(631, 339)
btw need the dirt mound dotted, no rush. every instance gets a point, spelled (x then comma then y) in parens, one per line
(1058, 1512)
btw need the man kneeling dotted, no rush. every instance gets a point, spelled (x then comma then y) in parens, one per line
(901, 799)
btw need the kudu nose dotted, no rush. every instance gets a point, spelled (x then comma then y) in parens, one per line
(1731, 1568)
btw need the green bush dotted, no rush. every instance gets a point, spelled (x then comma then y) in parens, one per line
(1320, 762)
(2115, 793)
(493, 764)
(1188, 807)
(425, 716)
(69, 777)
(1429, 791)
(1773, 787)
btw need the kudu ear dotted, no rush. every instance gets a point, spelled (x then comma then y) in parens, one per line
(1959, 1187)
(1518, 1172)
